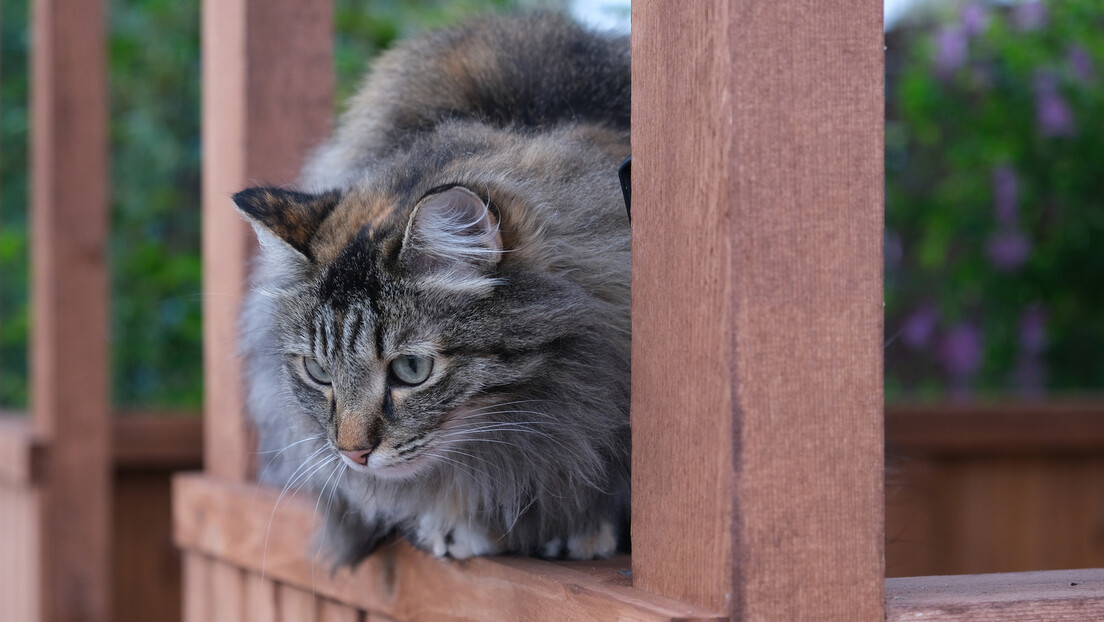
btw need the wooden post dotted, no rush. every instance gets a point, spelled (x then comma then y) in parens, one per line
(70, 360)
(757, 306)
(267, 88)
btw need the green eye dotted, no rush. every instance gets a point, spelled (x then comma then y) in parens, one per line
(315, 371)
(410, 369)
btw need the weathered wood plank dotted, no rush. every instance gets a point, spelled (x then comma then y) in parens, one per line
(19, 551)
(1073, 595)
(268, 77)
(145, 580)
(231, 521)
(197, 588)
(297, 604)
(227, 594)
(262, 604)
(757, 306)
(333, 611)
(69, 296)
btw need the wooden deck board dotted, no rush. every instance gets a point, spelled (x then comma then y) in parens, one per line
(230, 521)
(1074, 595)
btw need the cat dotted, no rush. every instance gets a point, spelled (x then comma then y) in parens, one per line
(438, 337)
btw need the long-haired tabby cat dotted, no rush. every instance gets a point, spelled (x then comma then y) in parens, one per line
(439, 332)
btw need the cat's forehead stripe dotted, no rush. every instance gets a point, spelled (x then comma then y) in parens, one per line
(354, 216)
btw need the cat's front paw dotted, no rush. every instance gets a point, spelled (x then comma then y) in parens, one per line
(459, 541)
(598, 542)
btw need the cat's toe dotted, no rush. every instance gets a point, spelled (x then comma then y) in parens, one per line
(553, 548)
(600, 542)
(468, 542)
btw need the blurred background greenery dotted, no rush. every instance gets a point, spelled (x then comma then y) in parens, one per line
(994, 192)
(995, 201)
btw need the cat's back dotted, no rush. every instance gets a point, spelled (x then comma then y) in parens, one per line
(527, 72)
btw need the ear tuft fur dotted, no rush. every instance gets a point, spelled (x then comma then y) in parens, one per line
(452, 231)
(291, 216)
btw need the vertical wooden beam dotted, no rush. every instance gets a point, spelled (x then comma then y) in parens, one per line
(757, 306)
(267, 87)
(69, 351)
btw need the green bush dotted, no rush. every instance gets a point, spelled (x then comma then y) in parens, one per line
(153, 57)
(995, 204)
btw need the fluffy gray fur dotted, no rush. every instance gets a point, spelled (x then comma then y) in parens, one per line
(467, 211)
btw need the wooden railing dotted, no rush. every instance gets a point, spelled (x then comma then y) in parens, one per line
(757, 348)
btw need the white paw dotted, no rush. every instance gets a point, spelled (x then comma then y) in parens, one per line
(459, 541)
(464, 542)
(596, 543)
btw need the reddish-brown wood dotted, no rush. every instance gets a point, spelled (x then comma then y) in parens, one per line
(20, 537)
(146, 573)
(197, 588)
(21, 451)
(1073, 595)
(69, 291)
(757, 306)
(231, 522)
(333, 611)
(1022, 428)
(150, 441)
(262, 604)
(267, 80)
(297, 604)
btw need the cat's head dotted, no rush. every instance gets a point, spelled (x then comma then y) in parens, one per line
(390, 318)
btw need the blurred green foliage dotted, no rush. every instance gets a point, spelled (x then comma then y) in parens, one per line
(153, 56)
(995, 203)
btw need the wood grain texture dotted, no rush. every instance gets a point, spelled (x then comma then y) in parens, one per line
(268, 77)
(757, 306)
(231, 521)
(1073, 595)
(69, 296)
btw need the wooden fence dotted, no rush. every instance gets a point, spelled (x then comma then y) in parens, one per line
(757, 343)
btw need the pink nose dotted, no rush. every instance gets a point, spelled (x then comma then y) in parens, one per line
(359, 456)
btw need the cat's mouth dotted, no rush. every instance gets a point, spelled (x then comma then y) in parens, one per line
(388, 462)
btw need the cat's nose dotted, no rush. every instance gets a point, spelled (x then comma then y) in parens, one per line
(359, 456)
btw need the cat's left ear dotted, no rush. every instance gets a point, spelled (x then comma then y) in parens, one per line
(292, 216)
(453, 231)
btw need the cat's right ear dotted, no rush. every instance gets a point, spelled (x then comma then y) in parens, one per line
(291, 216)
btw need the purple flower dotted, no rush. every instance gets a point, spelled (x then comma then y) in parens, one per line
(1030, 15)
(1008, 249)
(919, 326)
(960, 350)
(1080, 63)
(1051, 111)
(1029, 377)
(1006, 194)
(1033, 329)
(975, 19)
(952, 47)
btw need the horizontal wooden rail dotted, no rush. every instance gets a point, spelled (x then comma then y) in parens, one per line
(998, 427)
(1007, 597)
(144, 441)
(233, 522)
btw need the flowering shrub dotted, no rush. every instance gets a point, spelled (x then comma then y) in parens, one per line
(995, 203)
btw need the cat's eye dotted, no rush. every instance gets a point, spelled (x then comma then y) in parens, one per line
(411, 369)
(315, 371)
